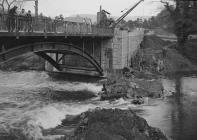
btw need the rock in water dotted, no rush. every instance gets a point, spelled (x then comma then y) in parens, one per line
(115, 124)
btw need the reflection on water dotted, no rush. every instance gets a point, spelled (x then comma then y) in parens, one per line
(32, 101)
(176, 116)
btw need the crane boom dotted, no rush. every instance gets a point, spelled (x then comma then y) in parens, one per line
(125, 14)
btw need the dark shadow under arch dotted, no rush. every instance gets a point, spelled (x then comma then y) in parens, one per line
(42, 48)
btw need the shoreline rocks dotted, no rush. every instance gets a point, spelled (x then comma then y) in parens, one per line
(114, 124)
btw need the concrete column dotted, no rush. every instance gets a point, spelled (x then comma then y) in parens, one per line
(106, 58)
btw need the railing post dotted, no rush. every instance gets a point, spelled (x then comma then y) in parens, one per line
(16, 27)
(45, 30)
(34, 22)
(16, 23)
(81, 31)
(1, 21)
(65, 28)
(78, 28)
(55, 26)
(87, 28)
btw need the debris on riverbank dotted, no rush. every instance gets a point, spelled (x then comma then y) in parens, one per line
(114, 124)
(124, 87)
(161, 57)
(155, 59)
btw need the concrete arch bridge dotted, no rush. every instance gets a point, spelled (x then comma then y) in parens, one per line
(71, 47)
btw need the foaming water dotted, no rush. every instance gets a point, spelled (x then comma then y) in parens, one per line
(28, 105)
(32, 80)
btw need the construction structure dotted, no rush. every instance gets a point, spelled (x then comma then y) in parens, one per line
(73, 47)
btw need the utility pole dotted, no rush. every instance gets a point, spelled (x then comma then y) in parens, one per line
(36, 8)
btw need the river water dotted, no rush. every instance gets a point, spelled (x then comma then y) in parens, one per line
(28, 104)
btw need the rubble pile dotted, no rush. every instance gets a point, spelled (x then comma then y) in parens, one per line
(114, 124)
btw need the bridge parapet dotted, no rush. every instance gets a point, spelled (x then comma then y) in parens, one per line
(45, 25)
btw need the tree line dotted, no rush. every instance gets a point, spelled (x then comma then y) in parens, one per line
(177, 16)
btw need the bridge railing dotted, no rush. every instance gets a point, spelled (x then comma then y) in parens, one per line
(46, 25)
(3, 22)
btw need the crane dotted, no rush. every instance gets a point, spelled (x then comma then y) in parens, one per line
(113, 25)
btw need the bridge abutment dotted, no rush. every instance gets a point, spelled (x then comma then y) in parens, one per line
(117, 53)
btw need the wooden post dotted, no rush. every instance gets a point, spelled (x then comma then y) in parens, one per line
(17, 27)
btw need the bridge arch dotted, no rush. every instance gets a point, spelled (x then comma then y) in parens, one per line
(42, 48)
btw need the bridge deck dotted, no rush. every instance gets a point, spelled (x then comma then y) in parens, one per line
(42, 26)
(36, 33)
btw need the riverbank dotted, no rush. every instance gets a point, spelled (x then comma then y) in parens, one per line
(154, 60)
(161, 57)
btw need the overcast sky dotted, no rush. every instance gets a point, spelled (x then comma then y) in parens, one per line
(73, 7)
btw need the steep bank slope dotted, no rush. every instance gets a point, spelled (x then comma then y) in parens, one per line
(158, 56)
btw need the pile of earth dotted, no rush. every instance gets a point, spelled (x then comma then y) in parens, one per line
(161, 57)
(123, 87)
(114, 124)
(28, 61)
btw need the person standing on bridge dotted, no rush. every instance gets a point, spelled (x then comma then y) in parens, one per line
(28, 22)
(12, 19)
(22, 20)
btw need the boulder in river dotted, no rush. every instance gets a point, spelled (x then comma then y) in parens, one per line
(138, 100)
(114, 124)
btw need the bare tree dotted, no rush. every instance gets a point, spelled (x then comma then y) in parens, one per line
(2, 3)
(182, 13)
(5, 5)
